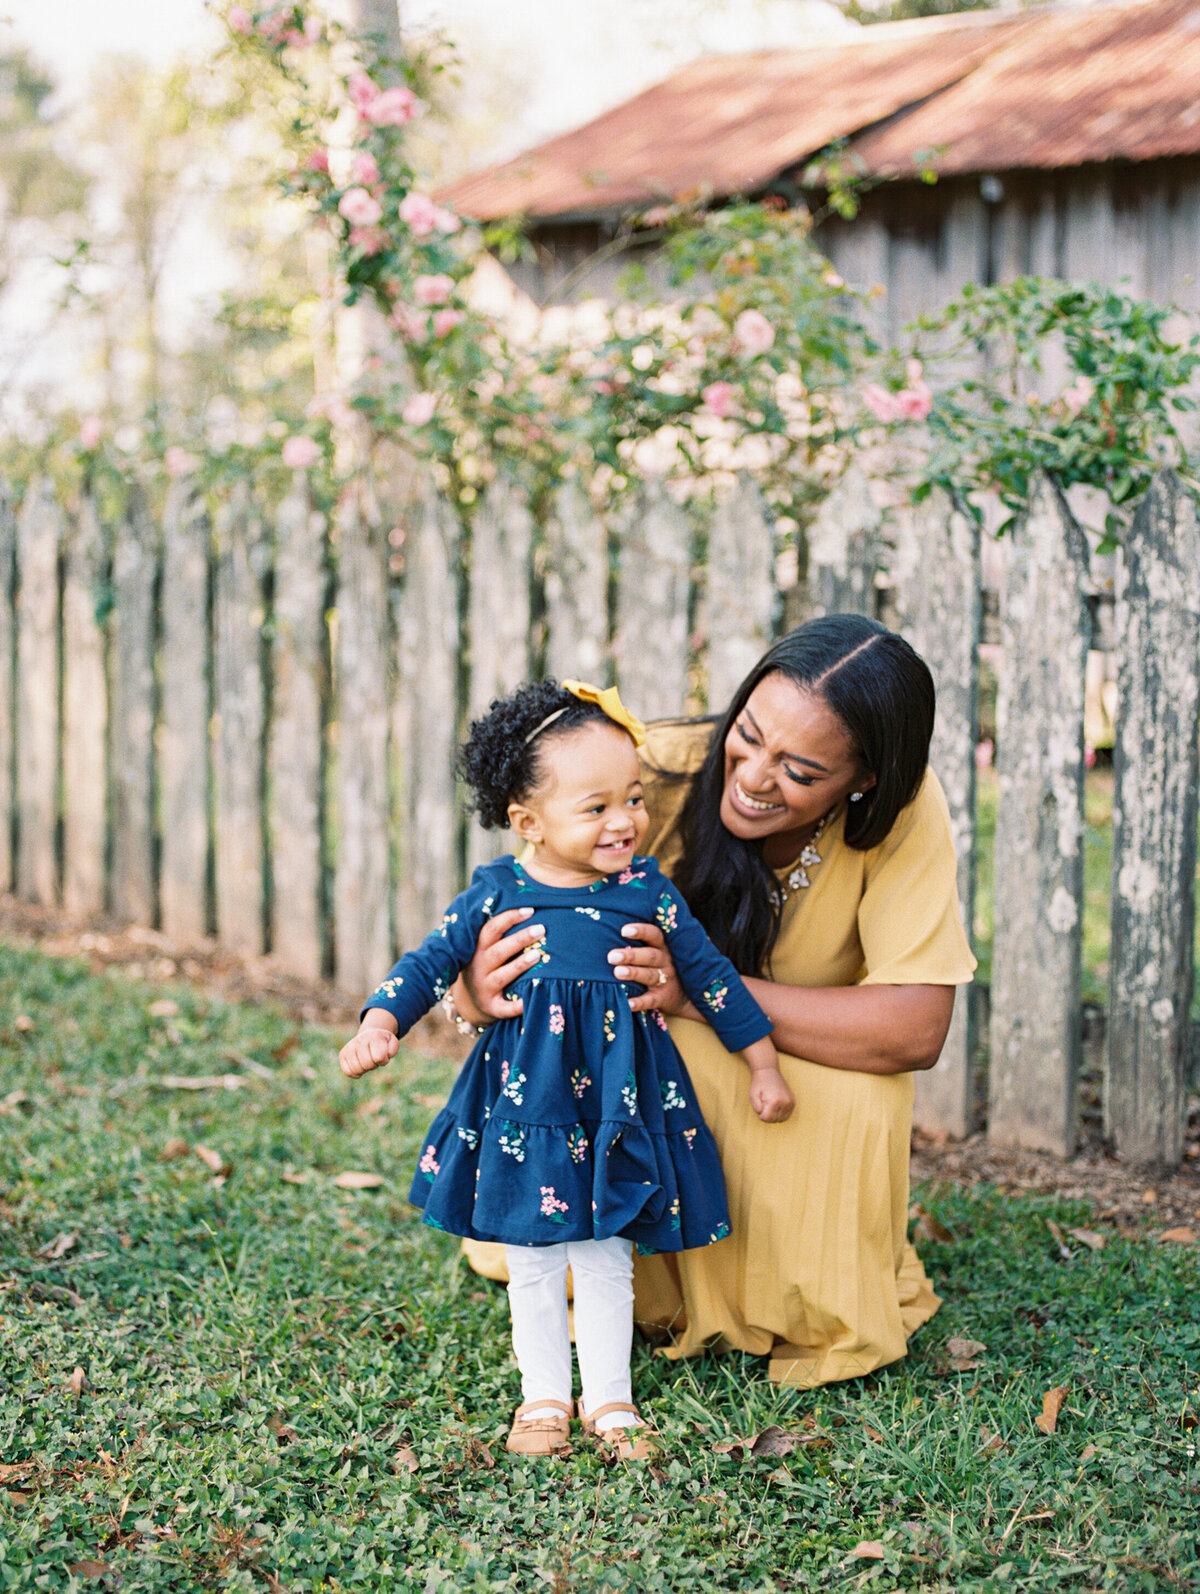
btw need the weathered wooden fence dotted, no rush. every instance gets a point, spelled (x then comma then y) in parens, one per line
(239, 721)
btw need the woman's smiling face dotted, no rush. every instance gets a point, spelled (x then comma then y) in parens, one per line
(788, 760)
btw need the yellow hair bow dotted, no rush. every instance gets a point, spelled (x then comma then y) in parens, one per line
(609, 700)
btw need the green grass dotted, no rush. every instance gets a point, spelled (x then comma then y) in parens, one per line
(294, 1387)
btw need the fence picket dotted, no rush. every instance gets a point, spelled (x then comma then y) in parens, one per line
(238, 716)
(132, 712)
(8, 641)
(653, 587)
(844, 552)
(85, 715)
(362, 932)
(425, 717)
(1035, 1024)
(498, 614)
(740, 600)
(938, 597)
(297, 735)
(39, 534)
(1157, 767)
(576, 588)
(184, 740)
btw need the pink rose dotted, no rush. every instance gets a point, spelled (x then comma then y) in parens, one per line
(1081, 390)
(915, 402)
(445, 220)
(317, 160)
(272, 26)
(371, 240)
(753, 332)
(419, 409)
(409, 323)
(360, 208)
(433, 290)
(393, 108)
(312, 29)
(445, 321)
(91, 430)
(240, 20)
(299, 452)
(363, 93)
(177, 461)
(365, 168)
(718, 398)
(882, 404)
(420, 212)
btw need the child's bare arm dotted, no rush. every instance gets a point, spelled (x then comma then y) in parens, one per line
(770, 1095)
(376, 1043)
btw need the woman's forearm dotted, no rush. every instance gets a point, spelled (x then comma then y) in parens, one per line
(873, 1029)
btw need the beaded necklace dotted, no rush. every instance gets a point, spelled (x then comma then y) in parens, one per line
(797, 877)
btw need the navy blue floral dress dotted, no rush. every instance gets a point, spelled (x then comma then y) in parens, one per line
(576, 1120)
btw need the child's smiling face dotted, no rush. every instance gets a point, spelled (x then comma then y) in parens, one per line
(586, 818)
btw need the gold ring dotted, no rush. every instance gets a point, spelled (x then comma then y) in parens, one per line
(662, 976)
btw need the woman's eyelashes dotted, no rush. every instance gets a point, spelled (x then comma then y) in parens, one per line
(800, 780)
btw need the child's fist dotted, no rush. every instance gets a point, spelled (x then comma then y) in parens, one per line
(770, 1096)
(370, 1048)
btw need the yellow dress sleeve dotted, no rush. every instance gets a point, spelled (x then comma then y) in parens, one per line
(909, 922)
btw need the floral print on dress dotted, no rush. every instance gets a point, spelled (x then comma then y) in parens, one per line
(512, 1085)
(689, 1139)
(674, 1216)
(666, 914)
(629, 1094)
(552, 1207)
(469, 1136)
(592, 913)
(628, 876)
(429, 1165)
(577, 1143)
(714, 996)
(387, 990)
(610, 1024)
(447, 920)
(669, 1089)
(721, 1232)
(512, 1139)
(580, 1082)
(557, 1022)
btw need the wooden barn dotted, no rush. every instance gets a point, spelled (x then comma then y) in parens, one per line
(1066, 142)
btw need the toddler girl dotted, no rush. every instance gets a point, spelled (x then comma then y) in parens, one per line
(573, 1130)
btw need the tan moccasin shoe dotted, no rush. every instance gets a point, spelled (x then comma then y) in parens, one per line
(539, 1436)
(642, 1443)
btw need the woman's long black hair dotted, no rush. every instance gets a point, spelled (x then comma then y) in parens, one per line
(882, 692)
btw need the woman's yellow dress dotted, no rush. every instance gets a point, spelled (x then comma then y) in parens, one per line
(818, 1273)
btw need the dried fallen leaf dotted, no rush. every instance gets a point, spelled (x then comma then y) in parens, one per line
(927, 1227)
(872, 1434)
(174, 1148)
(24, 1023)
(1064, 1250)
(1180, 1236)
(165, 1008)
(772, 1441)
(284, 1434)
(198, 1082)
(1088, 1237)
(964, 1353)
(57, 1247)
(989, 1441)
(868, 1550)
(14, 1469)
(431, 1103)
(214, 1160)
(297, 1178)
(1052, 1400)
(76, 1381)
(368, 1109)
(405, 1460)
(1149, 1198)
(1087, 1453)
(89, 1569)
(350, 1180)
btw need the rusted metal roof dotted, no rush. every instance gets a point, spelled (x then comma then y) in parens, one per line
(729, 124)
(985, 91)
(1082, 86)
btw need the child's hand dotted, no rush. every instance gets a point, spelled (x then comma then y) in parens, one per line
(371, 1048)
(770, 1096)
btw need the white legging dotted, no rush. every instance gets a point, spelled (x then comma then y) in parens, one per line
(602, 1276)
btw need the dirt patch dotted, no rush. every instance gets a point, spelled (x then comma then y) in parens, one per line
(1129, 1198)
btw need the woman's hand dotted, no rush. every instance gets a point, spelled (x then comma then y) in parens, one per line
(651, 965)
(478, 992)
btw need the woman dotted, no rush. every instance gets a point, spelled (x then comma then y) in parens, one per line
(813, 844)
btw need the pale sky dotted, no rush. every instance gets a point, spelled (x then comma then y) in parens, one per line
(587, 54)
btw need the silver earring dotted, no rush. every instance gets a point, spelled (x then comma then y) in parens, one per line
(856, 796)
